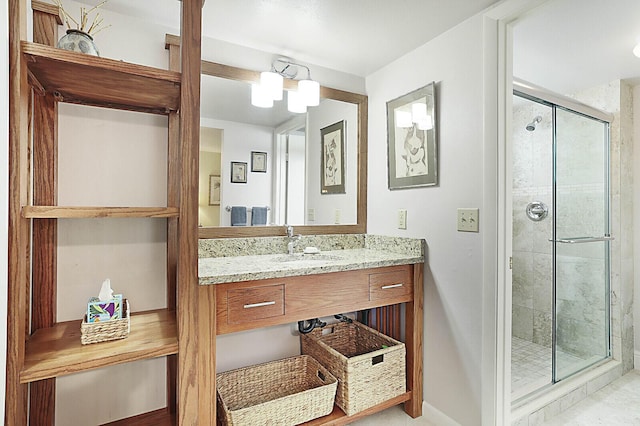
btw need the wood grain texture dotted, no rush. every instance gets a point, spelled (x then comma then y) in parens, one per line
(59, 212)
(414, 333)
(122, 85)
(190, 401)
(173, 199)
(206, 355)
(44, 232)
(16, 399)
(310, 296)
(254, 303)
(57, 351)
(391, 284)
(161, 417)
(46, 18)
(339, 418)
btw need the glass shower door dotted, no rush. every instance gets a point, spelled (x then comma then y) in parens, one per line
(580, 242)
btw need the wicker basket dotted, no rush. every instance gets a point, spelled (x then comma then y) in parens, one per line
(369, 366)
(285, 392)
(108, 330)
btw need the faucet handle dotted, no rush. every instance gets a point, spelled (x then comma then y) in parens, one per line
(289, 231)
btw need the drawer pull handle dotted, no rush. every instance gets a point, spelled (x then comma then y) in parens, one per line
(384, 287)
(258, 305)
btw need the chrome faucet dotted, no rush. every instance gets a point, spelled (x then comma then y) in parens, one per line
(293, 239)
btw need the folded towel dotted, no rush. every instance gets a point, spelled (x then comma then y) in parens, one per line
(258, 216)
(238, 216)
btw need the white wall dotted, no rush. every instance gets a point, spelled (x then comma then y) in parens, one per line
(4, 193)
(325, 205)
(238, 140)
(453, 272)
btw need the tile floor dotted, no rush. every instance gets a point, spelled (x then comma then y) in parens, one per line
(617, 404)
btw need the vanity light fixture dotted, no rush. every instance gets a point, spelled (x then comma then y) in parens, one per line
(636, 50)
(271, 85)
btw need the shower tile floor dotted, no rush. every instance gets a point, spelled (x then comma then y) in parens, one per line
(531, 366)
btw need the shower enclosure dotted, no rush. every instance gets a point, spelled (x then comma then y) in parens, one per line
(560, 276)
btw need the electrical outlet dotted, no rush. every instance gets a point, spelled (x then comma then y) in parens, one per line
(402, 219)
(311, 215)
(468, 220)
(338, 213)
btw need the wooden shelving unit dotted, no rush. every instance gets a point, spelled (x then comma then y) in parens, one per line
(122, 85)
(40, 348)
(56, 351)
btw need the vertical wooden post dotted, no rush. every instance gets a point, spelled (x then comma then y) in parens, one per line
(18, 247)
(188, 371)
(173, 199)
(46, 18)
(414, 342)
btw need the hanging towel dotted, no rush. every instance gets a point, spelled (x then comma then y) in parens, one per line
(258, 216)
(238, 216)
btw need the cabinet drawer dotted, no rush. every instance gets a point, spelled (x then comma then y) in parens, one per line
(391, 284)
(254, 303)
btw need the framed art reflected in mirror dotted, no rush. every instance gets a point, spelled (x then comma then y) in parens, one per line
(411, 139)
(214, 190)
(332, 159)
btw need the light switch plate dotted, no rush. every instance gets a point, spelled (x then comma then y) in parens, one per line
(338, 214)
(402, 219)
(311, 215)
(468, 220)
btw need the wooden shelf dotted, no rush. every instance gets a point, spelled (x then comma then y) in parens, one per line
(57, 351)
(161, 417)
(90, 80)
(62, 212)
(338, 417)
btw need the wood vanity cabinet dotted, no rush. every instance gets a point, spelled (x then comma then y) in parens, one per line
(249, 305)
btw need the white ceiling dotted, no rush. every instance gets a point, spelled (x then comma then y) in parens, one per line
(353, 36)
(564, 45)
(568, 45)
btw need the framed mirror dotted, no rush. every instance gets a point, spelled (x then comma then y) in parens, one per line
(288, 181)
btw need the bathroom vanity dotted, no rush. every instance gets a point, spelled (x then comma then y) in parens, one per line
(350, 273)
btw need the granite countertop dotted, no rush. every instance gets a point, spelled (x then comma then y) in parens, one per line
(372, 253)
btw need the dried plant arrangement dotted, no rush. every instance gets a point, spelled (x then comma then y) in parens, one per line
(96, 23)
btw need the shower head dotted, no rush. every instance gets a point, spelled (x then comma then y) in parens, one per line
(532, 126)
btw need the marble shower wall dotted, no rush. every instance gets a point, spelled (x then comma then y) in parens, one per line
(532, 262)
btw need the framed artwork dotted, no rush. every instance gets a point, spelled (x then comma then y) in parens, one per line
(238, 172)
(258, 161)
(214, 190)
(332, 159)
(411, 139)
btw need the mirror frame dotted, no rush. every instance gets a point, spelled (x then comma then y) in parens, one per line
(361, 101)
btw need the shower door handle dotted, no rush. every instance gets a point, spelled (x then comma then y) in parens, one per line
(578, 240)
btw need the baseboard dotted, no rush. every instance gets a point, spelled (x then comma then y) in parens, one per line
(636, 360)
(437, 417)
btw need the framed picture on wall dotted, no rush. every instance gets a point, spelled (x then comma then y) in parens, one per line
(238, 172)
(332, 159)
(258, 161)
(214, 190)
(411, 139)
